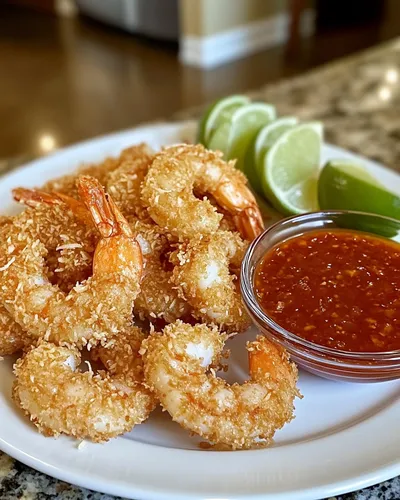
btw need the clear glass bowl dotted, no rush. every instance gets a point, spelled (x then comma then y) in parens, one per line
(323, 361)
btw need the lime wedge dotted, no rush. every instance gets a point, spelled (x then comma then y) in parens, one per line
(246, 122)
(233, 136)
(269, 135)
(260, 144)
(216, 114)
(220, 138)
(346, 186)
(290, 169)
(250, 167)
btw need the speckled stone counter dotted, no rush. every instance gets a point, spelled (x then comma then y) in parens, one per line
(358, 100)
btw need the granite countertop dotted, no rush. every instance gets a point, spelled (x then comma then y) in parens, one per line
(358, 99)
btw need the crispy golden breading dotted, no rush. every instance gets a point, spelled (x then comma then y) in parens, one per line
(158, 297)
(95, 309)
(179, 173)
(60, 399)
(12, 336)
(100, 171)
(237, 416)
(164, 244)
(206, 274)
(124, 184)
(65, 228)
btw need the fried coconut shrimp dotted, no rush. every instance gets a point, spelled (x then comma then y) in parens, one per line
(180, 173)
(60, 399)
(65, 227)
(95, 309)
(121, 355)
(206, 274)
(12, 336)
(124, 184)
(158, 297)
(237, 416)
(100, 171)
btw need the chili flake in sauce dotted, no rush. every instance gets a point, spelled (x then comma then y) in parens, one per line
(337, 288)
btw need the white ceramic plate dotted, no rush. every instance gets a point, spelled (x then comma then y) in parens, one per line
(345, 436)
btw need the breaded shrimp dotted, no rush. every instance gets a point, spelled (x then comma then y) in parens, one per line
(237, 416)
(60, 399)
(180, 172)
(206, 274)
(100, 171)
(124, 183)
(121, 354)
(35, 197)
(158, 297)
(13, 338)
(94, 310)
(65, 227)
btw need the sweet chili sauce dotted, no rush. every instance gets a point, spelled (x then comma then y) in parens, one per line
(337, 288)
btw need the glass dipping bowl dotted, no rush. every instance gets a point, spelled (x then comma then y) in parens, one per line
(323, 361)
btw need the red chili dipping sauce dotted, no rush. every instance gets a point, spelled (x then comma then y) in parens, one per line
(339, 289)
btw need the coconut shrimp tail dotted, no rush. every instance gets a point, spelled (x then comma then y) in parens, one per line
(118, 250)
(179, 174)
(237, 199)
(95, 309)
(236, 416)
(251, 224)
(59, 398)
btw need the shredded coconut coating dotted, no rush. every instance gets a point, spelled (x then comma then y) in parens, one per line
(121, 355)
(158, 297)
(100, 171)
(124, 184)
(180, 173)
(13, 338)
(237, 416)
(206, 275)
(69, 243)
(59, 399)
(95, 309)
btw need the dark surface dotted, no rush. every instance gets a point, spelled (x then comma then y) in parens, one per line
(339, 13)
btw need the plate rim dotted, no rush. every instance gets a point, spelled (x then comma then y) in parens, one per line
(372, 476)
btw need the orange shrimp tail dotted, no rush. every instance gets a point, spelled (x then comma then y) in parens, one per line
(117, 251)
(121, 222)
(105, 213)
(250, 224)
(93, 195)
(32, 197)
(78, 208)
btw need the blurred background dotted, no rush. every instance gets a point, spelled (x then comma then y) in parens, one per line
(74, 69)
